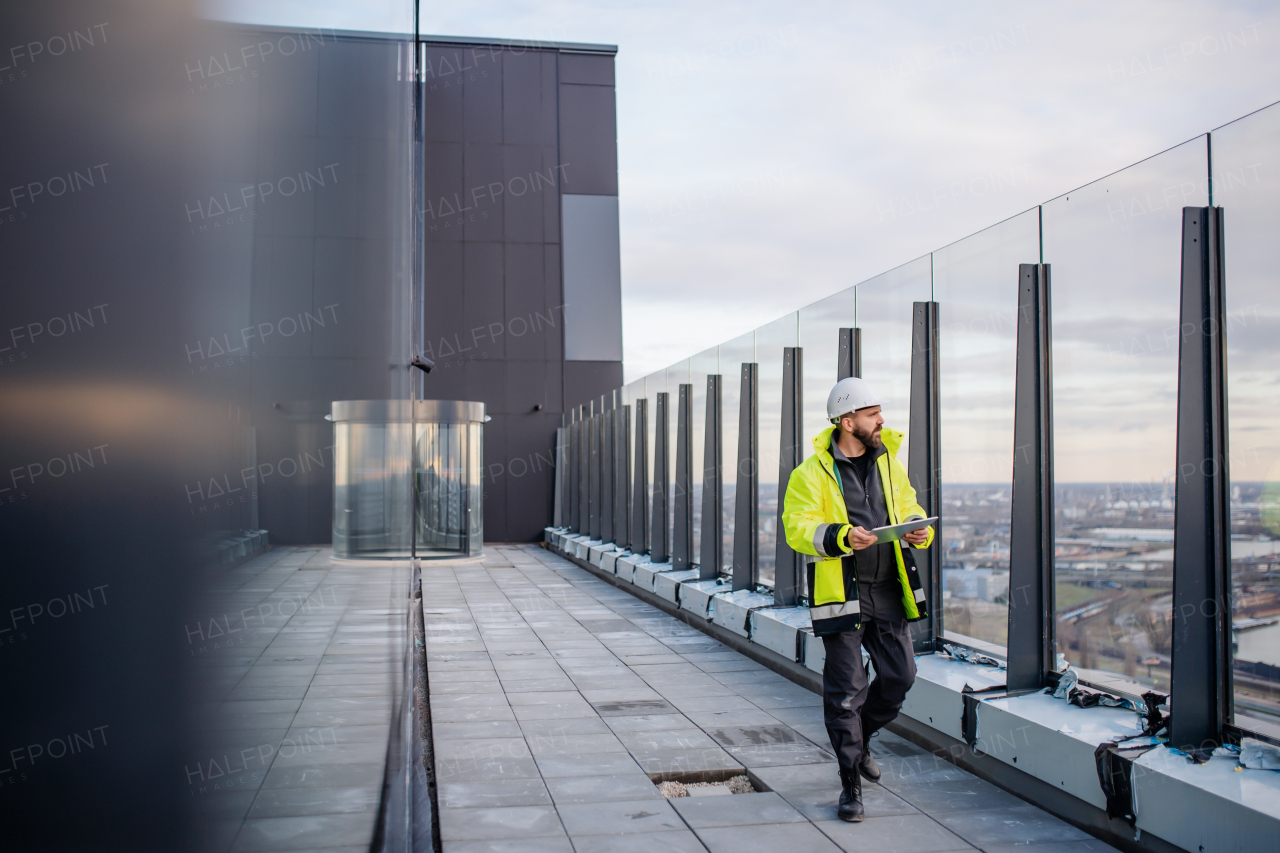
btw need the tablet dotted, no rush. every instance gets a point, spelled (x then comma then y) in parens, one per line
(897, 531)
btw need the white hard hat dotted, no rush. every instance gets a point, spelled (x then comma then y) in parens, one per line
(849, 395)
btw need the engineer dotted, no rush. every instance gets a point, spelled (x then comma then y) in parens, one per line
(862, 593)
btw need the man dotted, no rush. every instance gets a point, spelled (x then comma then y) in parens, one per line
(863, 594)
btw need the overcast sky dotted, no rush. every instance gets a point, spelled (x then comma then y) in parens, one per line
(773, 153)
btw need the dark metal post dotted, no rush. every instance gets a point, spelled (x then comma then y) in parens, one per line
(1031, 641)
(1201, 666)
(660, 520)
(640, 482)
(711, 548)
(593, 496)
(787, 563)
(622, 477)
(850, 358)
(557, 491)
(574, 475)
(746, 499)
(606, 475)
(584, 473)
(922, 467)
(682, 497)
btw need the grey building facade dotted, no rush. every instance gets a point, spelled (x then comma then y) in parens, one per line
(520, 226)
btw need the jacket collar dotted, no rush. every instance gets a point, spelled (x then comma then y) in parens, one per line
(891, 438)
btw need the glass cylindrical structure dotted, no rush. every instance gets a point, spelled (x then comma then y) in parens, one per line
(385, 451)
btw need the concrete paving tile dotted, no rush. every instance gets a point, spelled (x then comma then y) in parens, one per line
(480, 748)
(481, 729)
(731, 662)
(347, 690)
(779, 754)
(897, 772)
(555, 697)
(956, 795)
(351, 717)
(298, 802)
(605, 696)
(328, 752)
(765, 838)
(294, 691)
(617, 818)
(234, 804)
(455, 688)
(293, 833)
(483, 769)
(635, 707)
(493, 793)
(754, 735)
(667, 739)
(475, 714)
(468, 700)
(893, 834)
(648, 722)
(679, 841)
(685, 691)
(685, 760)
(740, 717)
(500, 845)
(605, 764)
(735, 810)
(506, 822)
(553, 712)
(713, 703)
(818, 801)
(560, 728)
(1021, 825)
(1090, 845)
(552, 744)
(596, 789)
(539, 685)
(768, 699)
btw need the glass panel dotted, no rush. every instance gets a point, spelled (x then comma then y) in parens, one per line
(445, 458)
(733, 354)
(1245, 185)
(884, 313)
(975, 282)
(1115, 247)
(820, 325)
(371, 490)
(771, 339)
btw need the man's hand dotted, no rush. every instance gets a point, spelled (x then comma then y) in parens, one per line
(859, 538)
(916, 537)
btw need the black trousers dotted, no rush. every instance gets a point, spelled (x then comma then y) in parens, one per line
(853, 709)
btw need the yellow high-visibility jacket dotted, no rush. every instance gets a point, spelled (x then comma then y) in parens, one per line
(814, 504)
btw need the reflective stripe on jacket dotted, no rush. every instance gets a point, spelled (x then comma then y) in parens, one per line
(817, 524)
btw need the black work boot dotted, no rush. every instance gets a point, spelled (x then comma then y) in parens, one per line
(850, 808)
(867, 766)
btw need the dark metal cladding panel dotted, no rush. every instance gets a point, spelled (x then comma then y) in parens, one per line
(640, 481)
(1201, 549)
(1031, 634)
(787, 563)
(682, 495)
(660, 519)
(711, 548)
(622, 478)
(746, 517)
(922, 467)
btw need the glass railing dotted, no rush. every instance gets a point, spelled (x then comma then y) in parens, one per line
(1114, 251)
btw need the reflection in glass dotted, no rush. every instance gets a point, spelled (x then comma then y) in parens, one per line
(1115, 249)
(701, 366)
(1245, 185)
(884, 312)
(820, 325)
(975, 282)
